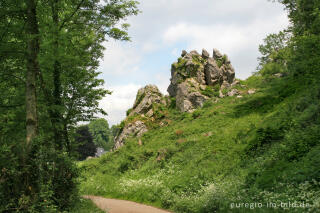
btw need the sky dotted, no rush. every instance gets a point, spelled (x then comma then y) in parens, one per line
(166, 27)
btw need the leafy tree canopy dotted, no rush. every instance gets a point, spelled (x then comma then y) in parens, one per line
(99, 128)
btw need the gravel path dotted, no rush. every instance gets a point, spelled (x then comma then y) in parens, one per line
(122, 206)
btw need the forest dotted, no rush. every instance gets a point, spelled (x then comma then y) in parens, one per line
(49, 54)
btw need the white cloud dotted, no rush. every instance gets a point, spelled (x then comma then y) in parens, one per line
(119, 102)
(163, 82)
(232, 26)
(219, 36)
(120, 58)
(235, 40)
(175, 52)
(149, 46)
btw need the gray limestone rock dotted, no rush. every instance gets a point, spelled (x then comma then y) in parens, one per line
(133, 129)
(212, 72)
(145, 98)
(233, 92)
(194, 72)
(216, 54)
(194, 52)
(188, 96)
(190, 78)
(205, 54)
(183, 53)
(143, 106)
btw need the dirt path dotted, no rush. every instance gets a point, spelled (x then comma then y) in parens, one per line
(122, 206)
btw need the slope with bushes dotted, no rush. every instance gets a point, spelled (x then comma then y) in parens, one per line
(260, 148)
(258, 152)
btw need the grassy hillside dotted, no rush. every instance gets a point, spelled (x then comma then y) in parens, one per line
(262, 148)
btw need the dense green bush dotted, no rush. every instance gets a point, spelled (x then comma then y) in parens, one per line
(42, 181)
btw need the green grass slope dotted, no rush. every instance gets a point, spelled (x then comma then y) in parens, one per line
(260, 152)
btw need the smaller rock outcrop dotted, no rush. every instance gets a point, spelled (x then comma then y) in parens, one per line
(194, 78)
(143, 109)
(145, 98)
(132, 129)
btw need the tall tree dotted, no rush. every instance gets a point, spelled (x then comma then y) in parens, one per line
(86, 146)
(74, 46)
(49, 55)
(32, 70)
(99, 129)
(56, 116)
(304, 16)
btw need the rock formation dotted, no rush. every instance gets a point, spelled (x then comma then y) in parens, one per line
(194, 79)
(195, 76)
(143, 108)
(136, 128)
(146, 96)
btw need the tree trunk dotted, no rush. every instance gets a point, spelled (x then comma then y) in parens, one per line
(56, 115)
(32, 70)
(66, 136)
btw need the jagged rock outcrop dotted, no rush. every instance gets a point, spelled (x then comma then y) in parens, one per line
(146, 96)
(188, 96)
(143, 107)
(132, 129)
(195, 77)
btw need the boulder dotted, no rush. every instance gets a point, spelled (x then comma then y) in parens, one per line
(233, 92)
(251, 91)
(194, 79)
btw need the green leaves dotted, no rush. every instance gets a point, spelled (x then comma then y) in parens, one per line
(99, 129)
(65, 47)
(275, 49)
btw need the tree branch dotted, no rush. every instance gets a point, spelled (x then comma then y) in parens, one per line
(70, 17)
